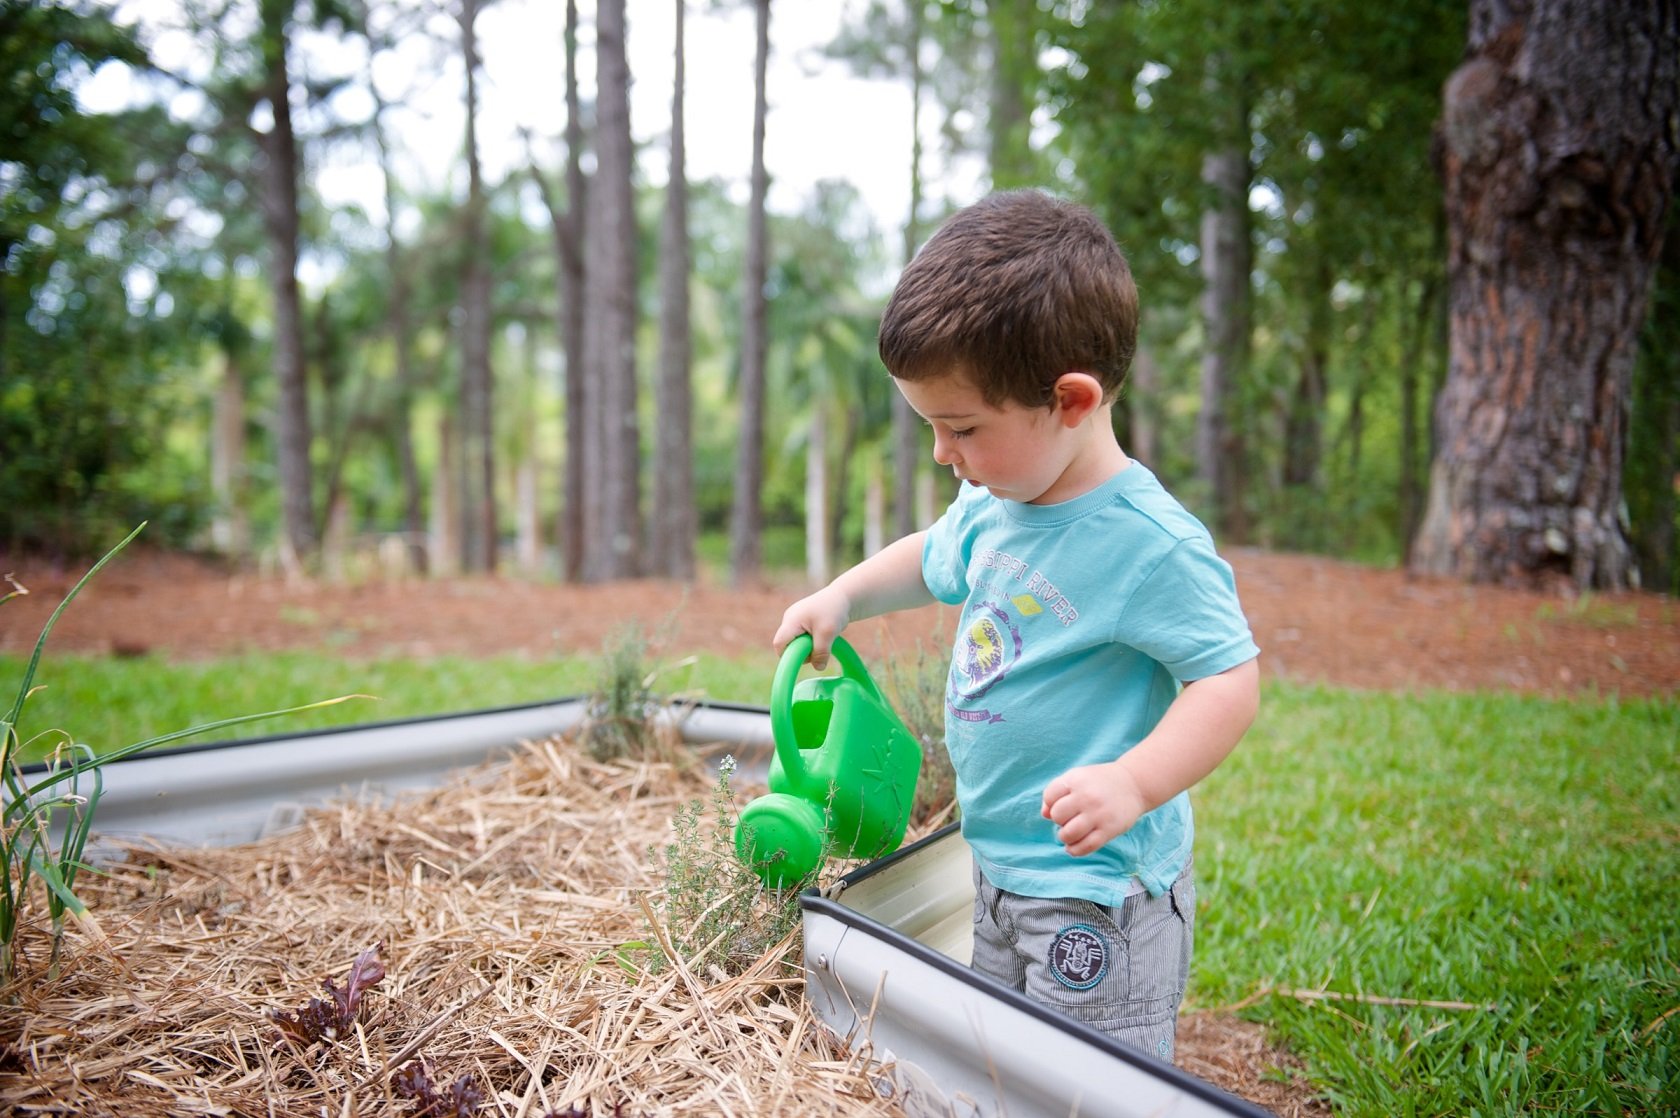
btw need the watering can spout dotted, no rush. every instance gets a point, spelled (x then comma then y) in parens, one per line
(843, 779)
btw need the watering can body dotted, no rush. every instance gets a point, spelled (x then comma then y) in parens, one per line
(843, 779)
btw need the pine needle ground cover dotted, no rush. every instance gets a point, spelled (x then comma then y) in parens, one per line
(493, 946)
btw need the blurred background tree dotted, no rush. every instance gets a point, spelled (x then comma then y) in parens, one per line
(486, 370)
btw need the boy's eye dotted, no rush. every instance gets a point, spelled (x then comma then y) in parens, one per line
(962, 434)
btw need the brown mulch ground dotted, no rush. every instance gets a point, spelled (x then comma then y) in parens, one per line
(1317, 621)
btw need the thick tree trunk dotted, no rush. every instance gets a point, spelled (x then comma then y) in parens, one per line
(1558, 156)
(613, 550)
(280, 224)
(1227, 259)
(674, 515)
(477, 380)
(747, 520)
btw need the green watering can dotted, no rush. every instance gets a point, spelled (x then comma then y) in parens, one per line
(843, 778)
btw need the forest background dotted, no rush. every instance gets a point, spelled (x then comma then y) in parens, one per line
(1409, 277)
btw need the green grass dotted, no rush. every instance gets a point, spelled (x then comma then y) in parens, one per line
(1517, 856)
(106, 703)
(1520, 857)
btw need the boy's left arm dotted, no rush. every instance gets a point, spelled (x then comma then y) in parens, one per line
(1095, 803)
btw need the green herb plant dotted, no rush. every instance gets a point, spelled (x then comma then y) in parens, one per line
(712, 907)
(48, 816)
(916, 686)
(620, 718)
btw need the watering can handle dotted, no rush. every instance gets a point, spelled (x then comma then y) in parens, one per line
(781, 695)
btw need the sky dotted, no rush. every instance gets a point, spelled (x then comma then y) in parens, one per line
(824, 122)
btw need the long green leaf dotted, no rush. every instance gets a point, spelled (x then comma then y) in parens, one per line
(41, 642)
(61, 775)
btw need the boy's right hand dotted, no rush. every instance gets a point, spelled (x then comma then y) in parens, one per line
(823, 615)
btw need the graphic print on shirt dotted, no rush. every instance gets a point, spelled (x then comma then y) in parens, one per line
(989, 646)
(990, 641)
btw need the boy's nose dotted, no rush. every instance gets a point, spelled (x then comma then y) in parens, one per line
(942, 451)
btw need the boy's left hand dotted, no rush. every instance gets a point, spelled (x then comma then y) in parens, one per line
(1091, 805)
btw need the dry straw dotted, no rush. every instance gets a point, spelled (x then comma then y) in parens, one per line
(506, 906)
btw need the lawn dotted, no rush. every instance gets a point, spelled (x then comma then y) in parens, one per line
(1444, 904)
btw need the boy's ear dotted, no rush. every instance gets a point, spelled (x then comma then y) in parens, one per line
(1077, 395)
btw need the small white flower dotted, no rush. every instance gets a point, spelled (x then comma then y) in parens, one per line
(727, 765)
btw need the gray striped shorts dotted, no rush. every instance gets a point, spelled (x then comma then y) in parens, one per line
(1120, 969)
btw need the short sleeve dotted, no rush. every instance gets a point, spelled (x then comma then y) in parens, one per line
(1186, 615)
(946, 550)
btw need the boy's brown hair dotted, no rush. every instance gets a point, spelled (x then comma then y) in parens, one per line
(1015, 291)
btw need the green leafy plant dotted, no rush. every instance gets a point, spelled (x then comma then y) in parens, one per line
(619, 720)
(916, 686)
(61, 800)
(714, 909)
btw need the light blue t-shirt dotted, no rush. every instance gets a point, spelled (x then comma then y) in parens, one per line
(1080, 621)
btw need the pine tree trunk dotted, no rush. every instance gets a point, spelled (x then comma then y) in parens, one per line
(229, 525)
(747, 519)
(568, 239)
(477, 396)
(612, 461)
(1558, 154)
(906, 427)
(674, 515)
(1226, 263)
(280, 224)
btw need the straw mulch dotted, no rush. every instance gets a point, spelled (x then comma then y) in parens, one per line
(501, 905)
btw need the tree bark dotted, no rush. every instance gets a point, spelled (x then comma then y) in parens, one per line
(280, 225)
(229, 525)
(568, 241)
(1558, 152)
(398, 318)
(906, 427)
(613, 550)
(674, 515)
(1227, 259)
(747, 520)
(1654, 443)
(477, 379)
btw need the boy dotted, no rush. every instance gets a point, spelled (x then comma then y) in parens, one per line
(1102, 663)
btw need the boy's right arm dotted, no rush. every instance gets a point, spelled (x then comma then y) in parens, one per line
(889, 580)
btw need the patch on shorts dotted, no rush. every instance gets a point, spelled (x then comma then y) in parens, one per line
(1079, 956)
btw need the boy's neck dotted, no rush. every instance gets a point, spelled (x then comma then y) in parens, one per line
(1098, 459)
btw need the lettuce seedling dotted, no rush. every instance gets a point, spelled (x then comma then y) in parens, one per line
(461, 1099)
(326, 1021)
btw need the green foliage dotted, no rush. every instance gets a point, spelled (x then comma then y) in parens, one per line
(715, 910)
(1334, 106)
(620, 718)
(46, 822)
(916, 686)
(111, 701)
(1510, 856)
(98, 333)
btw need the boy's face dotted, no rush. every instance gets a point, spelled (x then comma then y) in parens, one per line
(1018, 453)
